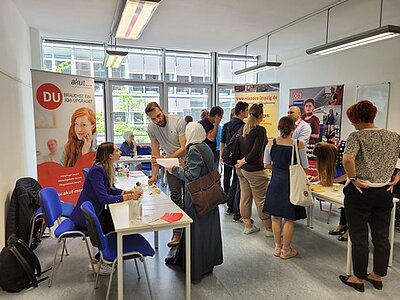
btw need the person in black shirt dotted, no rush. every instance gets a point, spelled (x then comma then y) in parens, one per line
(241, 111)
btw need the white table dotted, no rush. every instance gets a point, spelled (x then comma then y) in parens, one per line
(337, 197)
(154, 206)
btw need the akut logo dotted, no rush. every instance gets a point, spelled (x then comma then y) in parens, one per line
(76, 81)
(49, 96)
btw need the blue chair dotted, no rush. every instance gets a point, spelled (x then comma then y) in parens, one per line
(52, 211)
(134, 245)
(144, 166)
(67, 209)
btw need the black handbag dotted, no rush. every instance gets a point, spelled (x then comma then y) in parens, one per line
(206, 191)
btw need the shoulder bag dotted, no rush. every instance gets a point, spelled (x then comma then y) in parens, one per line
(300, 189)
(206, 191)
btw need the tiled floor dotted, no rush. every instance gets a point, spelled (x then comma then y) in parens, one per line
(249, 271)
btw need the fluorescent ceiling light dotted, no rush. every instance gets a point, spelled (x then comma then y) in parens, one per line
(258, 68)
(134, 18)
(359, 39)
(114, 58)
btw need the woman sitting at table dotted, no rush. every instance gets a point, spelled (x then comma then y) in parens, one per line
(128, 148)
(99, 189)
(206, 241)
(330, 170)
(277, 157)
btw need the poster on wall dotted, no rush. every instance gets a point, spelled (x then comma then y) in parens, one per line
(323, 112)
(266, 94)
(65, 129)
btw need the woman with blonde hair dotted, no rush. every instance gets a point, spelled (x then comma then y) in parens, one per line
(253, 178)
(277, 157)
(80, 136)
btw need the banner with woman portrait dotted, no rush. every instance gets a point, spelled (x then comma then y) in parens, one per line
(65, 128)
(266, 94)
(321, 107)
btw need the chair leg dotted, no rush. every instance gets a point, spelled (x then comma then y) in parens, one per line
(90, 256)
(329, 213)
(54, 266)
(147, 277)
(110, 279)
(64, 248)
(98, 272)
(32, 227)
(320, 205)
(137, 269)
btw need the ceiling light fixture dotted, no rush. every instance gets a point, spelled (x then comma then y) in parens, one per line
(134, 18)
(370, 36)
(264, 66)
(114, 58)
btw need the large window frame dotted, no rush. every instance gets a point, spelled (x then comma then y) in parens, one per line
(193, 84)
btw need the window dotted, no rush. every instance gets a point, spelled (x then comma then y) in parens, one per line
(226, 99)
(63, 66)
(228, 64)
(152, 77)
(82, 68)
(100, 116)
(99, 70)
(118, 72)
(188, 66)
(135, 76)
(48, 65)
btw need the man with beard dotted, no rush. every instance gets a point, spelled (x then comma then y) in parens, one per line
(167, 132)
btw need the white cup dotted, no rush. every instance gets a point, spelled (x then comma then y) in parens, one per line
(335, 187)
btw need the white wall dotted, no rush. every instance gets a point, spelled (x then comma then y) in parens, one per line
(16, 114)
(370, 64)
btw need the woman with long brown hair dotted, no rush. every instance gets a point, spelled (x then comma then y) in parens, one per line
(80, 136)
(99, 189)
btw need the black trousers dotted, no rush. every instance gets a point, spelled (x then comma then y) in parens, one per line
(373, 208)
(177, 192)
(227, 179)
(343, 220)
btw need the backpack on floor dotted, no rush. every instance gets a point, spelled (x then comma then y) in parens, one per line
(19, 266)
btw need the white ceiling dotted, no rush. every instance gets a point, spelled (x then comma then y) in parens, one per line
(212, 25)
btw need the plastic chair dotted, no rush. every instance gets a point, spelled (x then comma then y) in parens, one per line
(144, 150)
(52, 210)
(134, 246)
(67, 209)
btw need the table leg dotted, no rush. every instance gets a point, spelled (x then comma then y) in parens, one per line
(349, 260)
(156, 239)
(188, 262)
(391, 233)
(120, 264)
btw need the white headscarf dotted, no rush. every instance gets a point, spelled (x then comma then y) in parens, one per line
(195, 133)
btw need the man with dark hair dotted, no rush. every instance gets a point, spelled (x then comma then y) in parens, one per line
(167, 132)
(210, 125)
(228, 131)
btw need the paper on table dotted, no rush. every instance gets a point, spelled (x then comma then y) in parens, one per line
(168, 162)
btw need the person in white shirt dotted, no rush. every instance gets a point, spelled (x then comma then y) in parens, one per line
(302, 129)
(54, 154)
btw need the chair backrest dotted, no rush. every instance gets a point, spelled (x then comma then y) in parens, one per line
(93, 224)
(50, 204)
(143, 150)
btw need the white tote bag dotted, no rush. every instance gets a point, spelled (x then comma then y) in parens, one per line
(300, 190)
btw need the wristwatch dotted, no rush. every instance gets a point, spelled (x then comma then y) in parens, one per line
(353, 178)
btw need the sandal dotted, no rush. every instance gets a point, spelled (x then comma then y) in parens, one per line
(278, 250)
(342, 238)
(288, 253)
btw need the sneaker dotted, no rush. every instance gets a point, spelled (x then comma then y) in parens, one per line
(240, 220)
(288, 253)
(268, 232)
(105, 269)
(250, 230)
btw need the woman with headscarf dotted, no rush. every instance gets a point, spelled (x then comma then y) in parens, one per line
(206, 241)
